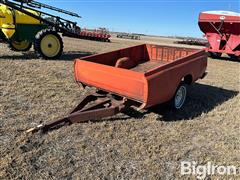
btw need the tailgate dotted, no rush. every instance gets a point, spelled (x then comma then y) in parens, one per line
(130, 84)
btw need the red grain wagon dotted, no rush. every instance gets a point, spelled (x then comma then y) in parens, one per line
(222, 29)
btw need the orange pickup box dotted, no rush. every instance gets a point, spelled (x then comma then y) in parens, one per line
(149, 74)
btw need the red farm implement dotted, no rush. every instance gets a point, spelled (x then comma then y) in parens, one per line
(222, 30)
(100, 34)
(193, 41)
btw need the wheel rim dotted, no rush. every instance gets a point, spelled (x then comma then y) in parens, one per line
(20, 45)
(180, 97)
(50, 45)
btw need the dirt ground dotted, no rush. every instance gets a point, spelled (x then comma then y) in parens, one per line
(137, 145)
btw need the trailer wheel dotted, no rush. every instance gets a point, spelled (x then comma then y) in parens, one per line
(215, 55)
(20, 45)
(180, 96)
(234, 57)
(48, 44)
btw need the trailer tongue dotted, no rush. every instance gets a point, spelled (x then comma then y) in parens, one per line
(93, 106)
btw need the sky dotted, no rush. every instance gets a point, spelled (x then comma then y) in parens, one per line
(153, 17)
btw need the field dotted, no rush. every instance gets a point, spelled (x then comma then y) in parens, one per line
(136, 145)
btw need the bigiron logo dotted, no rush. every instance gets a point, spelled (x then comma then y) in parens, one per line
(202, 171)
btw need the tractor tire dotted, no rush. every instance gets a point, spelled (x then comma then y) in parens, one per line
(48, 44)
(215, 55)
(20, 45)
(179, 97)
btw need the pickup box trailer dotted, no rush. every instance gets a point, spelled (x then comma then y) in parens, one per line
(140, 76)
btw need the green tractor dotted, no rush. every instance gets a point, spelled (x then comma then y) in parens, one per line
(21, 31)
(23, 27)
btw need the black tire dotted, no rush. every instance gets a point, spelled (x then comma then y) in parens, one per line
(39, 40)
(177, 102)
(214, 55)
(234, 57)
(16, 46)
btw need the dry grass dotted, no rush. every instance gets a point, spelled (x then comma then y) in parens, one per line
(141, 145)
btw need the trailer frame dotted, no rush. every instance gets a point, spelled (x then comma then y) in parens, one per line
(94, 105)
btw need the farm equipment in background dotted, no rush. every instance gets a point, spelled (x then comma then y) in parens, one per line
(23, 24)
(101, 34)
(222, 30)
(193, 41)
(128, 36)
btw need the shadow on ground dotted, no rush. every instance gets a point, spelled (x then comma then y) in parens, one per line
(71, 55)
(67, 56)
(23, 56)
(201, 99)
(225, 58)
